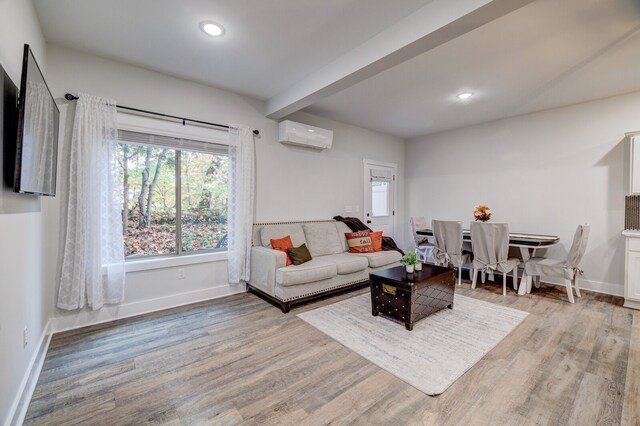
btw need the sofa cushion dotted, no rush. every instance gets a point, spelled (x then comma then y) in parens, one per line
(322, 238)
(359, 242)
(346, 264)
(376, 240)
(283, 244)
(380, 258)
(299, 255)
(274, 232)
(313, 270)
(343, 229)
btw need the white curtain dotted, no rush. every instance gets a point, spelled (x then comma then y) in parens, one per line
(241, 200)
(92, 268)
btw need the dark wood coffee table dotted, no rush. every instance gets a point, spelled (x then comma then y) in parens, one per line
(409, 298)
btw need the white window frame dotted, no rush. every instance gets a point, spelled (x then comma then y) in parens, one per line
(145, 124)
(154, 126)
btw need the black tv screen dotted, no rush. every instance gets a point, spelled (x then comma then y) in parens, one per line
(38, 121)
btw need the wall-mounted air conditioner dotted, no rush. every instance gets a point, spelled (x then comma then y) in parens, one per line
(299, 134)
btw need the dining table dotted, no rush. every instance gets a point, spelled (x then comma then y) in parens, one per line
(527, 243)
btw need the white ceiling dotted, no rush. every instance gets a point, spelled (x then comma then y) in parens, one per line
(268, 45)
(547, 54)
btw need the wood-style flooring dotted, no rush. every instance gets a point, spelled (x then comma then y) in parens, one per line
(239, 360)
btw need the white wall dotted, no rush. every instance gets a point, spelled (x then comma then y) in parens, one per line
(24, 300)
(292, 183)
(333, 179)
(543, 173)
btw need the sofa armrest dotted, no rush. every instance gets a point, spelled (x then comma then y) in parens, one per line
(264, 263)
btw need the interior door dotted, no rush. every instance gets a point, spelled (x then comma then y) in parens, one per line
(379, 197)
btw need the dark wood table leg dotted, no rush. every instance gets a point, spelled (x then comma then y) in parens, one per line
(374, 311)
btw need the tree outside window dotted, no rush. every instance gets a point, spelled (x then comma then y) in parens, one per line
(174, 201)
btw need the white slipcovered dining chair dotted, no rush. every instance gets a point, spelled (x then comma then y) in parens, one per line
(567, 269)
(490, 245)
(448, 245)
(423, 246)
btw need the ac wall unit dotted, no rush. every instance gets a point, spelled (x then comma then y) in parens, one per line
(299, 134)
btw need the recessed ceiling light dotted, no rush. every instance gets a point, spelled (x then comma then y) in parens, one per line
(464, 95)
(211, 28)
(311, 130)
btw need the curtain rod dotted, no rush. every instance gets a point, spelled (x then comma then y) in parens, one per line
(71, 97)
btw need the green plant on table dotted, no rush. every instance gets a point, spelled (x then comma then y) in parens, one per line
(409, 259)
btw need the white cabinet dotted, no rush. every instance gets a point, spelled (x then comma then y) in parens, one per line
(632, 269)
(632, 168)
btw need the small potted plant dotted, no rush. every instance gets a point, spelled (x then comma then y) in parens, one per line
(409, 261)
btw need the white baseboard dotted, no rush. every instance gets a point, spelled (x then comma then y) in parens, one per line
(27, 386)
(71, 321)
(595, 286)
(631, 304)
(612, 289)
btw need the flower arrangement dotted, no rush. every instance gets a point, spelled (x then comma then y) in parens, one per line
(482, 213)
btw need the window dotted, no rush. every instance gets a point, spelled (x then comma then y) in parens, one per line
(174, 194)
(379, 198)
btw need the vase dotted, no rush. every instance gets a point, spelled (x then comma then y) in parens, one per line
(409, 269)
(418, 266)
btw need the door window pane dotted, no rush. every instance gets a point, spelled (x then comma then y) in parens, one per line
(204, 200)
(147, 176)
(379, 198)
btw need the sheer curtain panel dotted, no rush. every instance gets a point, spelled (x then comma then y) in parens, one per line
(92, 267)
(241, 200)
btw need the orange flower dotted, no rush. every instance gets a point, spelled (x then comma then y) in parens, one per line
(482, 212)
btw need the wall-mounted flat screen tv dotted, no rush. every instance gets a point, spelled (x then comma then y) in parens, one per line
(38, 121)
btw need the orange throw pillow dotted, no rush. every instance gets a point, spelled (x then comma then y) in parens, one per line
(359, 242)
(376, 240)
(283, 244)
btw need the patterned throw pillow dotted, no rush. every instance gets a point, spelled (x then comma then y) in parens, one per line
(376, 240)
(359, 242)
(283, 244)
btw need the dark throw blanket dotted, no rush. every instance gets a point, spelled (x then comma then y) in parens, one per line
(356, 224)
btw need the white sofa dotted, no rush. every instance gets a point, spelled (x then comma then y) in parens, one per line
(331, 268)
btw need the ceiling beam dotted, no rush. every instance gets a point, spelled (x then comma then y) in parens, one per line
(431, 26)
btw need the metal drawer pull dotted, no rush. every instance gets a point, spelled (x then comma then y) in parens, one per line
(389, 289)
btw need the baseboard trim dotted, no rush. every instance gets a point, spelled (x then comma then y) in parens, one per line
(611, 289)
(27, 386)
(74, 320)
(594, 286)
(631, 304)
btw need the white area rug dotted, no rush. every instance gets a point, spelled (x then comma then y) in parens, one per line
(440, 349)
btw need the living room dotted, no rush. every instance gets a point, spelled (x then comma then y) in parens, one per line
(546, 150)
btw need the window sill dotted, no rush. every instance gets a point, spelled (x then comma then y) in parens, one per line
(136, 265)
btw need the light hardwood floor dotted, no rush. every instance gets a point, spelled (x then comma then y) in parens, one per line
(239, 360)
